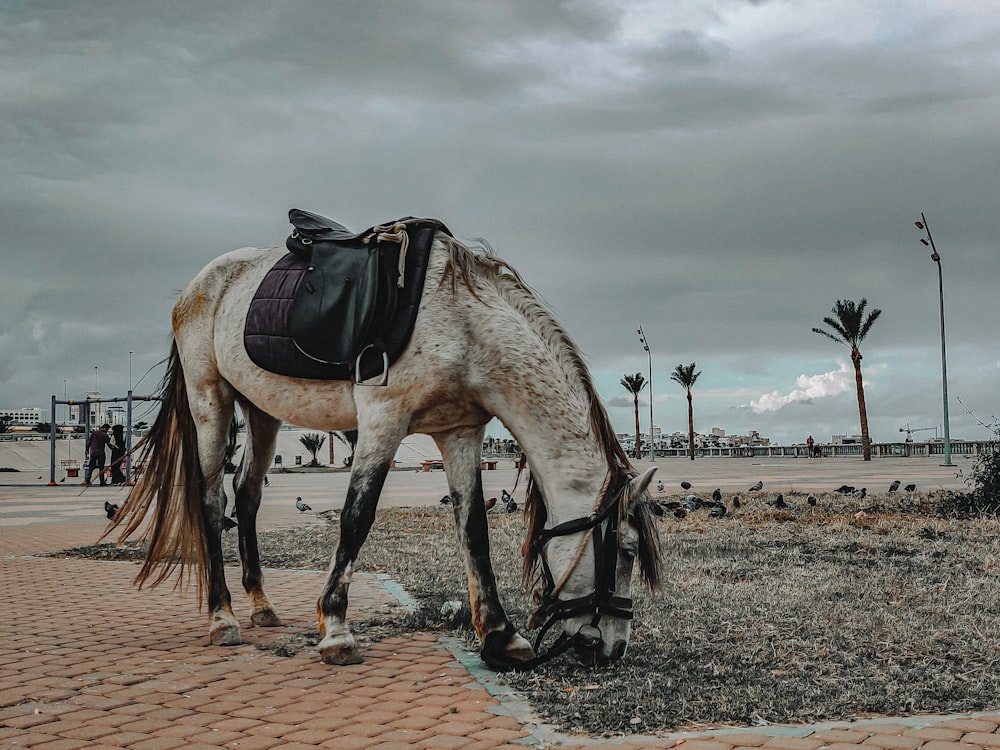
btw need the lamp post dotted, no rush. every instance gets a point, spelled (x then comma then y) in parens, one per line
(928, 241)
(649, 355)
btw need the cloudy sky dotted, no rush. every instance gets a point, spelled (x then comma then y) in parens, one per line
(718, 171)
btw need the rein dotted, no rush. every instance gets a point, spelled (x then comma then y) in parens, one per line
(552, 609)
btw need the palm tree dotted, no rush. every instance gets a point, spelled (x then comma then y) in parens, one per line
(850, 327)
(686, 376)
(633, 384)
(313, 441)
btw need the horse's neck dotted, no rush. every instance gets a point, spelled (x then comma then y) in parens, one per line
(542, 402)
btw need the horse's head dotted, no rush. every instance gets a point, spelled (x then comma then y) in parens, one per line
(585, 565)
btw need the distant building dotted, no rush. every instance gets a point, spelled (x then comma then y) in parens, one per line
(25, 417)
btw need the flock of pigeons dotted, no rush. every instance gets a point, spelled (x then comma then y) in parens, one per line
(679, 509)
(717, 506)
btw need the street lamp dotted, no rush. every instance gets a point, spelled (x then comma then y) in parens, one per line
(929, 242)
(649, 355)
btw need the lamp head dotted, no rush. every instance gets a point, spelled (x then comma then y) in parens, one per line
(918, 224)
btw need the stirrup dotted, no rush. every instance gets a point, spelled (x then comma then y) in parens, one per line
(382, 378)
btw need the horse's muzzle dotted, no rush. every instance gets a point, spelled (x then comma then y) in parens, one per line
(592, 651)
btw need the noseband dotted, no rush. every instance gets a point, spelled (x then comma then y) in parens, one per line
(602, 528)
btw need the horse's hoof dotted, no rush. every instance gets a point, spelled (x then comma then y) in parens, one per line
(266, 618)
(518, 649)
(227, 635)
(340, 649)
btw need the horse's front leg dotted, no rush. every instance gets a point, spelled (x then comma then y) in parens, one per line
(368, 473)
(262, 432)
(461, 450)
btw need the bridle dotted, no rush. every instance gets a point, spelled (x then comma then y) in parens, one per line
(602, 528)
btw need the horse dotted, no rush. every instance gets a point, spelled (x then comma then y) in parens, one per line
(482, 346)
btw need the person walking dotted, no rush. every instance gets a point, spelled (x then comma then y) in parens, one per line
(99, 440)
(117, 454)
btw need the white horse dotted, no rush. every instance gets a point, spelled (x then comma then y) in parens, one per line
(482, 347)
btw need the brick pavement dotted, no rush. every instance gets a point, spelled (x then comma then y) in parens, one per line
(88, 661)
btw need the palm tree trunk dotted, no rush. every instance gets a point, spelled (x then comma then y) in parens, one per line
(690, 426)
(638, 443)
(866, 443)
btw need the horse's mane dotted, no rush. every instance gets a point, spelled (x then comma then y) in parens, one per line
(478, 265)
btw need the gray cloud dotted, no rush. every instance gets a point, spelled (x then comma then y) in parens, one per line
(720, 172)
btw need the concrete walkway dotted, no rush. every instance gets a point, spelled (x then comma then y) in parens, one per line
(88, 661)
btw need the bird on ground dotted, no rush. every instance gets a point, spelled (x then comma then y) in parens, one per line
(228, 523)
(845, 489)
(910, 488)
(659, 485)
(717, 495)
(446, 500)
(779, 502)
(894, 486)
(693, 502)
(757, 487)
(510, 505)
(860, 494)
(812, 500)
(491, 502)
(736, 502)
(717, 511)
(686, 485)
(110, 510)
(301, 506)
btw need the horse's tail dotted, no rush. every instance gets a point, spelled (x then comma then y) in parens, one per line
(172, 484)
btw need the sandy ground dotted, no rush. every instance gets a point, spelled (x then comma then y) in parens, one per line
(25, 497)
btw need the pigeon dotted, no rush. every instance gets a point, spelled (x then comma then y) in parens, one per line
(717, 511)
(910, 488)
(659, 485)
(693, 502)
(510, 505)
(844, 489)
(779, 502)
(860, 494)
(228, 523)
(686, 485)
(811, 500)
(717, 495)
(736, 502)
(301, 506)
(894, 486)
(446, 500)
(757, 487)
(110, 509)
(678, 510)
(491, 502)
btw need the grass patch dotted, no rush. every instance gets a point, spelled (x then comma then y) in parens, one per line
(841, 610)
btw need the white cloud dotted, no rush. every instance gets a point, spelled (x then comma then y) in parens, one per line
(807, 388)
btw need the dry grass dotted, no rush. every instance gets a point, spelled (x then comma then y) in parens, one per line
(765, 616)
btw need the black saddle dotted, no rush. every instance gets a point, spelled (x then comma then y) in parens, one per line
(340, 305)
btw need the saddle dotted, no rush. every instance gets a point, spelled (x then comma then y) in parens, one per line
(340, 305)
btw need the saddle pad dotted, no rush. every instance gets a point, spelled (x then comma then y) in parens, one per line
(269, 342)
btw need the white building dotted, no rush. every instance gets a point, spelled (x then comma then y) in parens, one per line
(30, 416)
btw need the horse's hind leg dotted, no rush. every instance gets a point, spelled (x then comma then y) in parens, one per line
(212, 408)
(262, 432)
(368, 472)
(461, 450)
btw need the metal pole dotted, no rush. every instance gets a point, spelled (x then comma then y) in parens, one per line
(936, 257)
(649, 355)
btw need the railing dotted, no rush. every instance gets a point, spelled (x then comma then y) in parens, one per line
(879, 450)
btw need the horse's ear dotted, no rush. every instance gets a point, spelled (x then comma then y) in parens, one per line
(639, 484)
